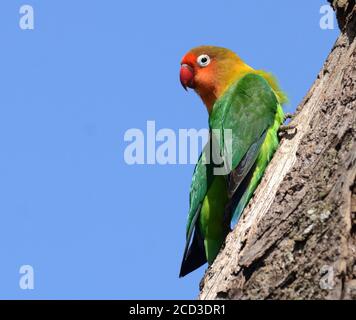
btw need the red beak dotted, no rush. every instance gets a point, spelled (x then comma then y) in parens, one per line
(187, 76)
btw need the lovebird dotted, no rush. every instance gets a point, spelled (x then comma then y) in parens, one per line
(248, 103)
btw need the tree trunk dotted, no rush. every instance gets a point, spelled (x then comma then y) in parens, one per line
(297, 238)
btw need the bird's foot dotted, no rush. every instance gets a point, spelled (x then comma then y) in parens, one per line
(285, 131)
(289, 116)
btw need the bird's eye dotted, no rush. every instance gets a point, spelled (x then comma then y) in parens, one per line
(203, 60)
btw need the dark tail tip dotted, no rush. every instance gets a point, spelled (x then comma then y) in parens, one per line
(194, 257)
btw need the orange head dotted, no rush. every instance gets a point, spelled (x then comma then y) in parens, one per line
(210, 71)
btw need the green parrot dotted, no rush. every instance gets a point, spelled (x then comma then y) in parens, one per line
(248, 103)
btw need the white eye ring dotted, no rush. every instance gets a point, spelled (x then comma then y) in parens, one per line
(203, 60)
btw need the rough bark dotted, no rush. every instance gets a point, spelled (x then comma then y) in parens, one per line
(297, 238)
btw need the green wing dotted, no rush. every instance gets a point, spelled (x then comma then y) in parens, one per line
(202, 178)
(248, 109)
(194, 255)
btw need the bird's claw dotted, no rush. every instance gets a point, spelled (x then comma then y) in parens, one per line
(288, 116)
(284, 131)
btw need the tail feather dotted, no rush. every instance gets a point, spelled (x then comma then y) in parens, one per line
(194, 256)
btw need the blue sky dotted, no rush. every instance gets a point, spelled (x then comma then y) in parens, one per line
(90, 225)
